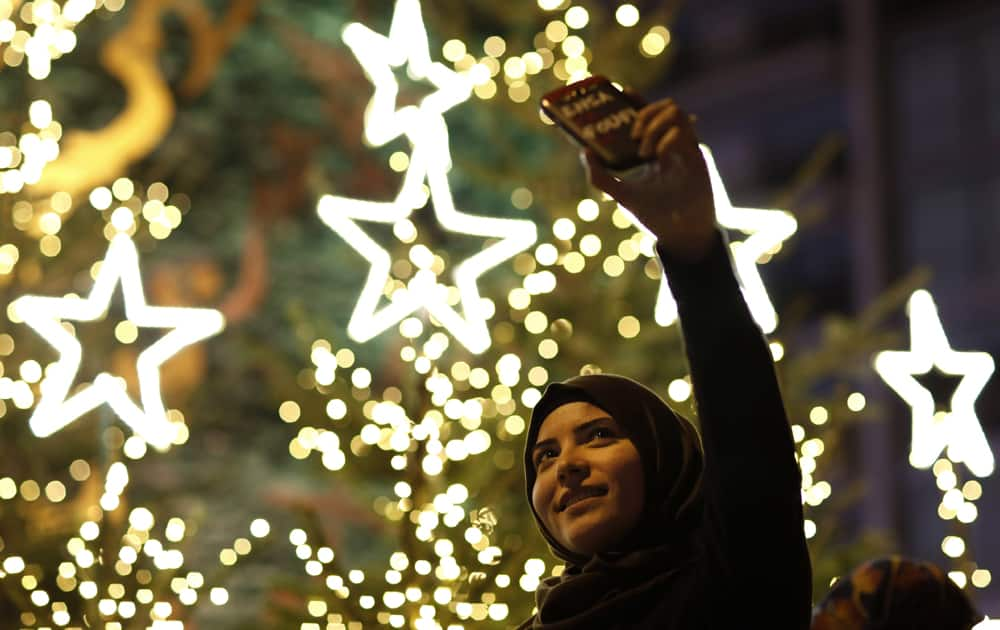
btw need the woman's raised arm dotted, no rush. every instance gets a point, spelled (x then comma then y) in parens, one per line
(752, 483)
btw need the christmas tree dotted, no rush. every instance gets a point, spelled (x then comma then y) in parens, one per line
(283, 281)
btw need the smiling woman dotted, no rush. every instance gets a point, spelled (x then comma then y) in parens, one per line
(595, 497)
(660, 527)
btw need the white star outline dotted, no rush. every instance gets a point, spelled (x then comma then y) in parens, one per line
(430, 160)
(958, 430)
(767, 229)
(44, 315)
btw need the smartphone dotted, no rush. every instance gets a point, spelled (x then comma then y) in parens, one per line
(599, 116)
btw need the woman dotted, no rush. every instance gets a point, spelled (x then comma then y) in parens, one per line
(656, 532)
(895, 593)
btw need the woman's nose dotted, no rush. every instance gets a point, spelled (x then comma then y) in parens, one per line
(572, 471)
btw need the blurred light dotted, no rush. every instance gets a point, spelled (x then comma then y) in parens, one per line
(56, 409)
(577, 17)
(767, 229)
(627, 15)
(655, 41)
(958, 430)
(679, 390)
(430, 161)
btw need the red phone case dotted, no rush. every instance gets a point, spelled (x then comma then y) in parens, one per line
(599, 116)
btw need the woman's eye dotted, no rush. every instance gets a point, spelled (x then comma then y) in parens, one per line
(601, 432)
(544, 455)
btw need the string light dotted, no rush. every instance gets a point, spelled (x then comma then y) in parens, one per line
(23, 158)
(957, 431)
(430, 161)
(56, 407)
(767, 230)
(141, 574)
(47, 32)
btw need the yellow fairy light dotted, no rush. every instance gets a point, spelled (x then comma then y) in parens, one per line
(495, 46)
(627, 15)
(57, 407)
(953, 546)
(51, 37)
(655, 41)
(981, 578)
(23, 159)
(556, 31)
(573, 46)
(972, 490)
(856, 402)
(515, 68)
(519, 92)
(564, 229)
(453, 50)
(613, 266)
(534, 62)
(957, 431)
(590, 245)
(574, 262)
(522, 198)
(430, 161)
(679, 390)
(628, 327)
(819, 415)
(577, 17)
(486, 90)
(766, 228)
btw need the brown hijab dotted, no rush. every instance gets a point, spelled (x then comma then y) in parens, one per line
(603, 590)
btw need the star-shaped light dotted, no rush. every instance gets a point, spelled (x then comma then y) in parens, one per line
(767, 230)
(57, 407)
(430, 160)
(957, 430)
(405, 45)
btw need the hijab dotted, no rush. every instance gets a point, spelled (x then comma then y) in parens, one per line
(595, 591)
(895, 593)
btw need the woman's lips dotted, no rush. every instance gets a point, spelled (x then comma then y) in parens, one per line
(581, 494)
(581, 502)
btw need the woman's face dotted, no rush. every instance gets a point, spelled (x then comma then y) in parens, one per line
(589, 486)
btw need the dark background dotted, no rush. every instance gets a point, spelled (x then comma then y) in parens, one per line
(910, 91)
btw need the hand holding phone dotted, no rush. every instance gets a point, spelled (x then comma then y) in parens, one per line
(598, 116)
(646, 157)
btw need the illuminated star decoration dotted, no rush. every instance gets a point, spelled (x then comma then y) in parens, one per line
(429, 161)
(957, 430)
(767, 230)
(57, 408)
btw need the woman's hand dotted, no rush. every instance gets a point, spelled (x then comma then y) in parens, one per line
(674, 200)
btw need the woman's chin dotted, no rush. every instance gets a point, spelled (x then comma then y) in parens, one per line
(587, 535)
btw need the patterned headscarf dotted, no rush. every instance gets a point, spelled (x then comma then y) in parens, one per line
(895, 593)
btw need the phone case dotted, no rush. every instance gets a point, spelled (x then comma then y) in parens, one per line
(599, 116)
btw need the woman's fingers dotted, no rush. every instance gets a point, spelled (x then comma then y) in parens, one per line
(646, 114)
(666, 143)
(661, 125)
(655, 128)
